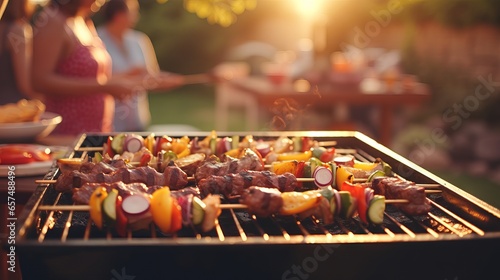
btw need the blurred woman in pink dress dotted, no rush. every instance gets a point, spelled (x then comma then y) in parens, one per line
(72, 69)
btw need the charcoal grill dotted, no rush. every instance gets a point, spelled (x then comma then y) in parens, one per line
(457, 239)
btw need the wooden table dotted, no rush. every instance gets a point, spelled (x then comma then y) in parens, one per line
(255, 92)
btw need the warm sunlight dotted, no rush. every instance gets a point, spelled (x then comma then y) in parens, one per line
(309, 8)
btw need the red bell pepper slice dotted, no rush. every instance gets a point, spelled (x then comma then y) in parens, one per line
(357, 191)
(299, 172)
(145, 158)
(328, 155)
(176, 221)
(121, 218)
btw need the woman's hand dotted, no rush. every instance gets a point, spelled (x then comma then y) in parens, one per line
(122, 88)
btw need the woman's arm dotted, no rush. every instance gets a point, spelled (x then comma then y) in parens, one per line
(149, 54)
(163, 80)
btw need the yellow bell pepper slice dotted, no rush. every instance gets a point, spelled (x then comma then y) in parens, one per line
(343, 175)
(298, 202)
(95, 204)
(149, 142)
(280, 167)
(234, 153)
(184, 153)
(367, 166)
(161, 208)
(298, 156)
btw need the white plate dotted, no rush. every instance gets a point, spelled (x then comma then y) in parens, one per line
(29, 131)
(30, 169)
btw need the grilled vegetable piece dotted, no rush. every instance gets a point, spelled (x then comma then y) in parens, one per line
(137, 209)
(346, 160)
(281, 167)
(198, 211)
(117, 143)
(190, 163)
(376, 209)
(367, 166)
(176, 221)
(375, 174)
(343, 175)
(328, 155)
(161, 209)
(109, 209)
(212, 211)
(358, 192)
(323, 177)
(95, 204)
(297, 202)
(347, 204)
(295, 156)
(121, 225)
(133, 143)
(149, 142)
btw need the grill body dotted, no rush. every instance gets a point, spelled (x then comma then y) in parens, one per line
(456, 240)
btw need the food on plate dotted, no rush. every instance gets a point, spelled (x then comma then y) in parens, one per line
(23, 154)
(22, 111)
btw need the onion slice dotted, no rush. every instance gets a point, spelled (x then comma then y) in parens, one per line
(322, 177)
(369, 193)
(135, 204)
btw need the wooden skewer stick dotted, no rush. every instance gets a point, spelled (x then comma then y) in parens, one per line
(221, 206)
(89, 149)
(327, 143)
(64, 208)
(45, 181)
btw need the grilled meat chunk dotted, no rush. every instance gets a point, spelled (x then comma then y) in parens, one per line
(395, 188)
(82, 195)
(173, 177)
(262, 202)
(65, 180)
(249, 161)
(231, 185)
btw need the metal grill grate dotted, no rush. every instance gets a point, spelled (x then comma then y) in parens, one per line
(61, 221)
(55, 239)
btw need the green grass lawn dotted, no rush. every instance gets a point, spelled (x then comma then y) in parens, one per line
(195, 106)
(190, 105)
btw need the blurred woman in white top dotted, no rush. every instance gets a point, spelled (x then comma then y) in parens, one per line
(132, 53)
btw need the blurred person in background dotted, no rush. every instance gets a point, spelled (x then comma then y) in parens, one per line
(72, 69)
(16, 48)
(132, 54)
